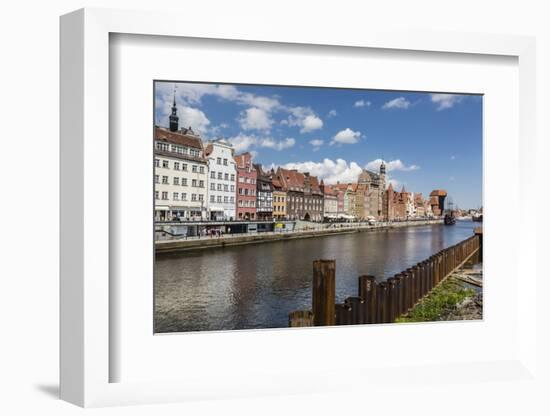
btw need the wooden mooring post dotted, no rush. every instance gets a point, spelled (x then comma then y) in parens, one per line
(300, 319)
(367, 292)
(324, 292)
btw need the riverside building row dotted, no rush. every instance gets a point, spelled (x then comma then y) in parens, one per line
(209, 182)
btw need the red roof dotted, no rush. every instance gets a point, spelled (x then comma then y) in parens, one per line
(168, 136)
(294, 180)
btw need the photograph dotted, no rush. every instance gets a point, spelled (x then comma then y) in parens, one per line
(279, 206)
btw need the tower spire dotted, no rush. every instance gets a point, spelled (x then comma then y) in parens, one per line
(174, 119)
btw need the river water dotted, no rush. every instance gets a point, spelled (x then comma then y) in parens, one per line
(256, 286)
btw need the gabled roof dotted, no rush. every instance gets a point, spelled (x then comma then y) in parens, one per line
(291, 179)
(165, 135)
(277, 184)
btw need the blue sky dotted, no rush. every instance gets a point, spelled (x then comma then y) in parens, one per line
(429, 141)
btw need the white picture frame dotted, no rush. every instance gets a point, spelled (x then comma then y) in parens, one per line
(86, 356)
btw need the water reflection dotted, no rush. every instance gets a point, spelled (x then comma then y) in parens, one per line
(256, 286)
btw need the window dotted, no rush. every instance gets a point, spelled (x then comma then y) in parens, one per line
(157, 179)
(156, 194)
(184, 166)
(201, 184)
(241, 179)
(225, 199)
(226, 176)
(225, 162)
(165, 195)
(163, 147)
(201, 169)
(252, 203)
(193, 197)
(165, 164)
(226, 188)
(232, 188)
(219, 199)
(175, 196)
(219, 175)
(219, 160)
(176, 165)
(240, 203)
(212, 175)
(212, 186)
(219, 187)
(176, 180)
(183, 181)
(201, 197)
(233, 177)
(241, 191)
(212, 198)
(165, 179)
(194, 183)
(194, 168)
(232, 199)
(183, 196)
(157, 163)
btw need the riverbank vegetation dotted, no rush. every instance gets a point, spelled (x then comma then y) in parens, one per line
(441, 302)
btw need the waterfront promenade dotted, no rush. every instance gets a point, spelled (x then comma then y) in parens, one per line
(302, 230)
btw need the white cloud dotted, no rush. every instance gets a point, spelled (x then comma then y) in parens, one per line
(328, 170)
(399, 103)
(277, 145)
(362, 103)
(395, 183)
(453, 157)
(303, 117)
(193, 93)
(392, 165)
(265, 103)
(346, 136)
(444, 101)
(311, 123)
(316, 143)
(194, 118)
(332, 113)
(255, 119)
(258, 115)
(242, 142)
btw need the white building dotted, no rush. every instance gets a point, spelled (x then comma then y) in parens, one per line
(222, 180)
(411, 206)
(181, 173)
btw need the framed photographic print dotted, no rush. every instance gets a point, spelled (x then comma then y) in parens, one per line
(238, 166)
(270, 213)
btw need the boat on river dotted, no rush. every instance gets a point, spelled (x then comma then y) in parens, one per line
(449, 219)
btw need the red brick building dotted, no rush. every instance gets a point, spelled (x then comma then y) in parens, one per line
(397, 204)
(304, 195)
(246, 187)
